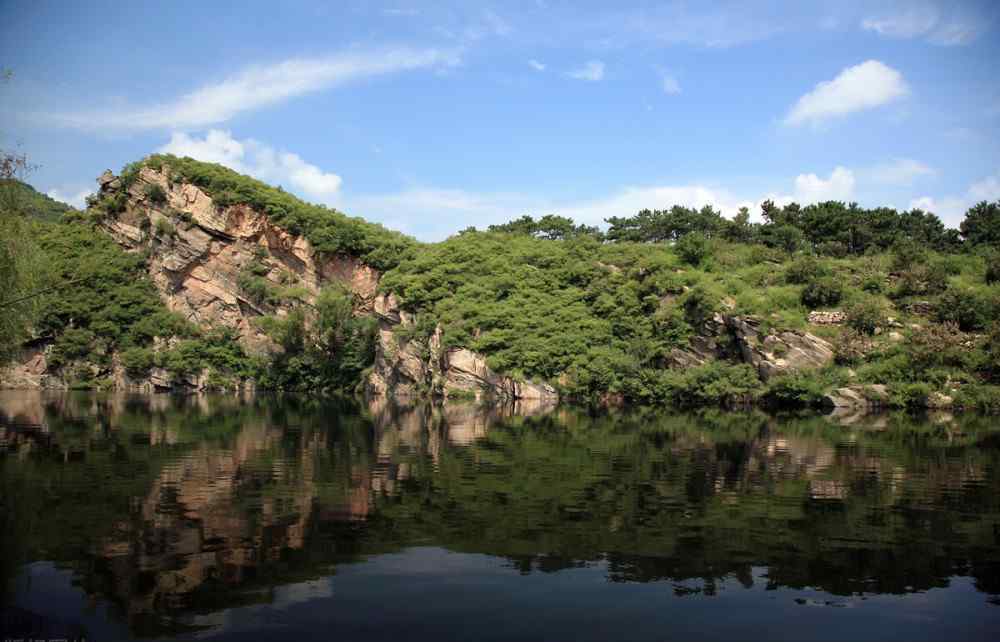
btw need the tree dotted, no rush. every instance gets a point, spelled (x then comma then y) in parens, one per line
(982, 224)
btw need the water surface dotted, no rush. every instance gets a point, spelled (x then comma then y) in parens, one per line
(125, 517)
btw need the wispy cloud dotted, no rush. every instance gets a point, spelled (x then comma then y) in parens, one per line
(901, 171)
(864, 86)
(257, 87)
(941, 24)
(592, 71)
(251, 157)
(810, 188)
(537, 66)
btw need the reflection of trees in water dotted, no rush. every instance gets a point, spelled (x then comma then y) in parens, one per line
(173, 504)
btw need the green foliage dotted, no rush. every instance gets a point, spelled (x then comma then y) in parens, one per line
(867, 315)
(912, 396)
(795, 391)
(156, 194)
(692, 248)
(549, 227)
(981, 225)
(806, 269)
(165, 228)
(138, 361)
(971, 308)
(17, 197)
(822, 292)
(711, 384)
(992, 275)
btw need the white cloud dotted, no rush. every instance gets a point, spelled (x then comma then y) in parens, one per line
(960, 25)
(71, 196)
(987, 189)
(537, 66)
(810, 188)
(913, 21)
(951, 209)
(857, 88)
(592, 71)
(258, 160)
(902, 171)
(670, 85)
(259, 86)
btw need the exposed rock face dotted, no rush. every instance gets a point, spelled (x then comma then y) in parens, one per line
(196, 265)
(414, 366)
(780, 353)
(858, 397)
(740, 338)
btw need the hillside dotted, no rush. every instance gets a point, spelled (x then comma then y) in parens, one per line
(19, 196)
(194, 276)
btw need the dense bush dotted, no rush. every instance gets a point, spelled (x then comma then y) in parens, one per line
(806, 269)
(822, 292)
(866, 316)
(972, 309)
(156, 194)
(692, 248)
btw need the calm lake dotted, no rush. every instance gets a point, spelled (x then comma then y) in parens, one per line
(289, 518)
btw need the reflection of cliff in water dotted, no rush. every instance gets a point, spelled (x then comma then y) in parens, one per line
(170, 506)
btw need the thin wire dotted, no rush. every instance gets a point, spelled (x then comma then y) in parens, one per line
(41, 292)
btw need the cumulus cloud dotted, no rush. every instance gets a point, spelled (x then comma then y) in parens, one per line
(251, 157)
(70, 196)
(256, 87)
(902, 171)
(810, 188)
(537, 66)
(864, 86)
(592, 71)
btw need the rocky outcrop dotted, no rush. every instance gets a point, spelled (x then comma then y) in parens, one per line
(199, 250)
(827, 317)
(859, 397)
(408, 365)
(776, 353)
(743, 339)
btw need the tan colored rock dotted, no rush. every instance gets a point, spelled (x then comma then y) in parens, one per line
(858, 397)
(780, 353)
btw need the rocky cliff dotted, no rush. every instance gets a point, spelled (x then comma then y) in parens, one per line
(199, 251)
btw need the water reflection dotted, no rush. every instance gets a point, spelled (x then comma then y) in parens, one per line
(172, 511)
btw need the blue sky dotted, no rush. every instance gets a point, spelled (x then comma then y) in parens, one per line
(431, 117)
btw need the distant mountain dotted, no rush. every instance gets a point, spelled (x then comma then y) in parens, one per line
(33, 202)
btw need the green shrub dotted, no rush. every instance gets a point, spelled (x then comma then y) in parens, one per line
(971, 309)
(794, 391)
(712, 384)
(165, 228)
(992, 275)
(822, 293)
(866, 316)
(156, 194)
(912, 396)
(137, 361)
(979, 397)
(692, 248)
(907, 254)
(806, 269)
(835, 249)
